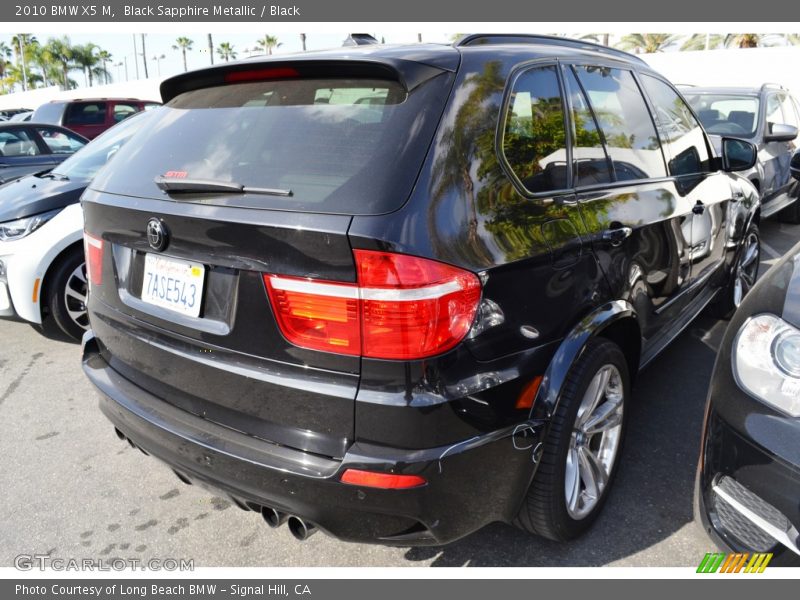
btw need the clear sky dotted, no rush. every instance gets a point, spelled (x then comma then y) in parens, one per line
(121, 46)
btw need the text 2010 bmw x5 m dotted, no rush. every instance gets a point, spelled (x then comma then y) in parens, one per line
(398, 293)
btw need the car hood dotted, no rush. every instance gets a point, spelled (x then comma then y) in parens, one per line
(32, 195)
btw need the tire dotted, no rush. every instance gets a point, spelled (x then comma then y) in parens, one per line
(790, 214)
(545, 510)
(744, 274)
(65, 295)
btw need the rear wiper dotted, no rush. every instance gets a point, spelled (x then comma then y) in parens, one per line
(176, 185)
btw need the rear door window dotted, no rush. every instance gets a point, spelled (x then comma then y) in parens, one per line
(123, 110)
(625, 122)
(337, 145)
(591, 164)
(59, 141)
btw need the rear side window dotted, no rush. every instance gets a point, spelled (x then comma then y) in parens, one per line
(338, 145)
(625, 122)
(680, 131)
(86, 113)
(534, 136)
(18, 142)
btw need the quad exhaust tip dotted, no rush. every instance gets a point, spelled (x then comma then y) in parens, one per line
(273, 518)
(300, 529)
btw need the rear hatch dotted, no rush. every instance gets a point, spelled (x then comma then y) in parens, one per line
(250, 170)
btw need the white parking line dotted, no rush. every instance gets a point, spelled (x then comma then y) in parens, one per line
(770, 250)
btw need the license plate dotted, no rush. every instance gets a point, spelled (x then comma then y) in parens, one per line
(173, 284)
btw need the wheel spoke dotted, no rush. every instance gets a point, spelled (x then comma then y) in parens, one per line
(593, 474)
(750, 254)
(79, 273)
(572, 480)
(71, 293)
(594, 393)
(607, 416)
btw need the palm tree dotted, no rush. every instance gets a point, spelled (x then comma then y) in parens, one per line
(183, 44)
(105, 57)
(43, 59)
(226, 51)
(267, 43)
(61, 52)
(743, 40)
(22, 45)
(703, 41)
(646, 42)
(85, 58)
(5, 54)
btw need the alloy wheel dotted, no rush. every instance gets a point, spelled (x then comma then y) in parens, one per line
(595, 441)
(747, 269)
(75, 296)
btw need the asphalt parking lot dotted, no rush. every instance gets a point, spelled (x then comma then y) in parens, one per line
(69, 488)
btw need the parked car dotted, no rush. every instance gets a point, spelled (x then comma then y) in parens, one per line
(399, 321)
(768, 117)
(42, 271)
(749, 473)
(22, 116)
(27, 148)
(10, 113)
(90, 117)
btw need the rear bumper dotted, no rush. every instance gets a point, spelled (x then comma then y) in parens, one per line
(470, 484)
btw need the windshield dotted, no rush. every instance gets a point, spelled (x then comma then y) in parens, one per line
(336, 145)
(726, 114)
(84, 164)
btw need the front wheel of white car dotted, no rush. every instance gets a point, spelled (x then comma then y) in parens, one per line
(66, 295)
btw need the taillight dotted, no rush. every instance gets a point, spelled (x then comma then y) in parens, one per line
(93, 250)
(403, 307)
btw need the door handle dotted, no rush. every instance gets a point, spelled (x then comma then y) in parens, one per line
(699, 208)
(616, 236)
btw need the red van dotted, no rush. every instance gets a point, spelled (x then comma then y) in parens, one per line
(90, 117)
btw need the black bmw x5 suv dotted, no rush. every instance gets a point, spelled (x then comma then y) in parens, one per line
(398, 293)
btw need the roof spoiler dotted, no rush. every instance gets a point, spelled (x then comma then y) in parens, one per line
(408, 73)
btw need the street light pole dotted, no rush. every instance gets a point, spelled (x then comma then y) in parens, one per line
(144, 56)
(135, 56)
(158, 58)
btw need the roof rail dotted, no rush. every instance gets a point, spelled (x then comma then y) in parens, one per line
(475, 39)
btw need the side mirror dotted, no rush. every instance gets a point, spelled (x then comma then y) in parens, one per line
(737, 155)
(794, 166)
(778, 132)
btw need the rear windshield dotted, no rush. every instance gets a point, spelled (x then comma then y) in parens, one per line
(726, 114)
(351, 146)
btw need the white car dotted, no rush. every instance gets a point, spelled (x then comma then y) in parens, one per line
(42, 271)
